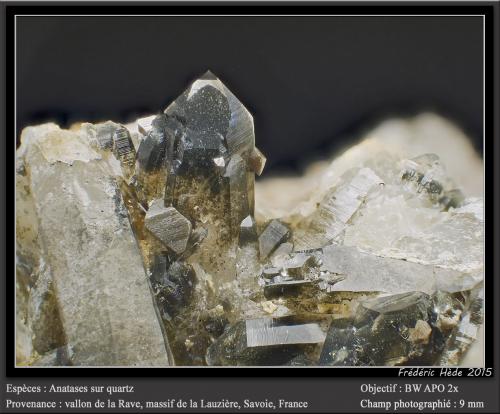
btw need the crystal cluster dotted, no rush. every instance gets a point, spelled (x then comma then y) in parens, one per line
(139, 245)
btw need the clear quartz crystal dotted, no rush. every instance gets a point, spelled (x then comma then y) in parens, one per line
(90, 255)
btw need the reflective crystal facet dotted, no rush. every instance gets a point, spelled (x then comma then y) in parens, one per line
(170, 226)
(272, 236)
(265, 341)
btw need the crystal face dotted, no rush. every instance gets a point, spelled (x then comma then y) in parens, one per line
(143, 245)
(168, 225)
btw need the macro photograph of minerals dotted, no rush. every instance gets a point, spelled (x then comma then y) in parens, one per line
(162, 240)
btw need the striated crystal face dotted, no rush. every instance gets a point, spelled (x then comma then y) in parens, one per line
(139, 245)
(265, 341)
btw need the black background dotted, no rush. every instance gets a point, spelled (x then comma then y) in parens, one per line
(313, 83)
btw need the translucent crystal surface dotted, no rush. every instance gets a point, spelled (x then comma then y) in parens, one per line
(139, 245)
(89, 255)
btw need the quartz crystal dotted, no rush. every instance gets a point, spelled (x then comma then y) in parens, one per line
(86, 249)
(140, 245)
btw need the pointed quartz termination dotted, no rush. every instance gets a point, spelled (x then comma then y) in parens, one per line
(265, 341)
(248, 231)
(210, 163)
(170, 226)
(145, 125)
(199, 158)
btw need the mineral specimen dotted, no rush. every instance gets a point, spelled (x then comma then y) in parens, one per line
(139, 245)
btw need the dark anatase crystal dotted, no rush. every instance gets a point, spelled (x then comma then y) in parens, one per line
(273, 235)
(168, 225)
(174, 285)
(124, 150)
(266, 341)
(196, 151)
(428, 175)
(347, 345)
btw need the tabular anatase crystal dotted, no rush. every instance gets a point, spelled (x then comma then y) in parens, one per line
(168, 225)
(257, 161)
(266, 341)
(271, 237)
